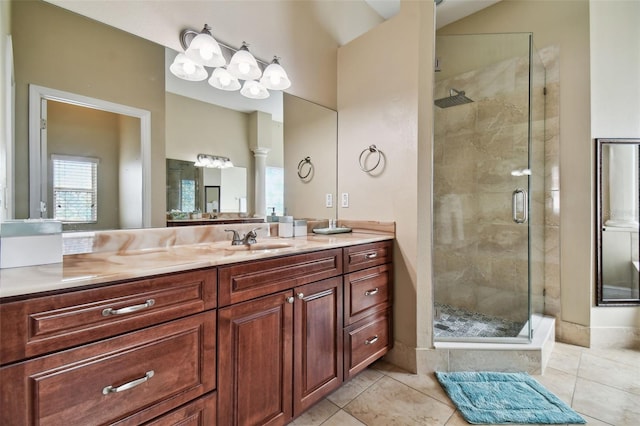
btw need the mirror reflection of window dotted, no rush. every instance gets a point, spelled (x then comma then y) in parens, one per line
(75, 189)
(274, 197)
(187, 195)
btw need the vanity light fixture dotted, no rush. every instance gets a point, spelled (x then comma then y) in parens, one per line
(205, 50)
(275, 77)
(212, 161)
(202, 50)
(186, 69)
(243, 65)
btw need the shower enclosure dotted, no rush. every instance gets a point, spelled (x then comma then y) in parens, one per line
(488, 188)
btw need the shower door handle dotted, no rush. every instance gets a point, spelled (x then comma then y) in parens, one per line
(525, 205)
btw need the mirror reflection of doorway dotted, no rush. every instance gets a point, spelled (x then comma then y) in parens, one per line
(212, 199)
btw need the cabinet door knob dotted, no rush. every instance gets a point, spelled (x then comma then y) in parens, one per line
(129, 309)
(371, 292)
(290, 299)
(300, 295)
(371, 340)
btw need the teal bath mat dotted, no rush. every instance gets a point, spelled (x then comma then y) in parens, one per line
(504, 398)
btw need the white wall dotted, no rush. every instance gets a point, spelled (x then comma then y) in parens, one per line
(615, 68)
(394, 111)
(615, 113)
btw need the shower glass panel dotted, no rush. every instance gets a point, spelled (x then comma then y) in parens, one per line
(488, 187)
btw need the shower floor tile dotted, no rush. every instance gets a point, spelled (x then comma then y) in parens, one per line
(456, 322)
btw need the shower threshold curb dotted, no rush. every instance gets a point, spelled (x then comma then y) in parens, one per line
(531, 357)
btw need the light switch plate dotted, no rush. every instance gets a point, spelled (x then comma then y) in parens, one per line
(328, 202)
(345, 199)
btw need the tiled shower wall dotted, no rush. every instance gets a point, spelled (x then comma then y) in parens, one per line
(480, 254)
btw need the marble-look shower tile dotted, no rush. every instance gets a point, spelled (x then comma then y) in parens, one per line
(606, 403)
(390, 402)
(550, 56)
(354, 387)
(611, 372)
(552, 208)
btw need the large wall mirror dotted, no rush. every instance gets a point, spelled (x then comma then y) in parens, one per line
(96, 61)
(618, 198)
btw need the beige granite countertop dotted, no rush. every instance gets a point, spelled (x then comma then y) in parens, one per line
(100, 267)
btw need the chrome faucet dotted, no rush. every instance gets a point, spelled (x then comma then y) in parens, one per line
(248, 239)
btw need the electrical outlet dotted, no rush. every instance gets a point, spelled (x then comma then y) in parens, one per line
(328, 202)
(345, 199)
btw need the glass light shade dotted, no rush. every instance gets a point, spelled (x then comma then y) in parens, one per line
(205, 50)
(254, 90)
(243, 65)
(275, 77)
(186, 69)
(223, 80)
(227, 164)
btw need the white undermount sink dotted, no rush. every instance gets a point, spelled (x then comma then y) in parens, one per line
(259, 246)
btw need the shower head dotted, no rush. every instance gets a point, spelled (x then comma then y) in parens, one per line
(455, 97)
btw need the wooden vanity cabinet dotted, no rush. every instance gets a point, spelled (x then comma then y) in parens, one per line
(282, 352)
(368, 289)
(121, 354)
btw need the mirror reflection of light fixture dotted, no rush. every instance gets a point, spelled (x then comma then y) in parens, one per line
(202, 50)
(243, 65)
(212, 161)
(205, 50)
(184, 68)
(275, 77)
(254, 90)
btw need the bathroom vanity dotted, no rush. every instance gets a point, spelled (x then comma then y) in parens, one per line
(230, 337)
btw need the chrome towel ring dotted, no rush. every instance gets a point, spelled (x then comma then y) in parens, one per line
(371, 149)
(301, 164)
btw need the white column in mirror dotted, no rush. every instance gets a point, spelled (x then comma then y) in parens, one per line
(623, 185)
(260, 155)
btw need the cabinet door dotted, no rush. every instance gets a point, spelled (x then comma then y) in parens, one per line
(255, 358)
(317, 342)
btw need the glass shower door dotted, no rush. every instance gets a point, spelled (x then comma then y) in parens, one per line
(482, 188)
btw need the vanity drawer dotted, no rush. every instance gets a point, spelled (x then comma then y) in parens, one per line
(366, 341)
(201, 412)
(367, 291)
(127, 379)
(49, 323)
(367, 255)
(245, 281)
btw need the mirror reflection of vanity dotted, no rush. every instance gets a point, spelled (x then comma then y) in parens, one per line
(618, 198)
(98, 63)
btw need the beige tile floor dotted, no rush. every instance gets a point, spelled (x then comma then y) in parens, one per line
(603, 385)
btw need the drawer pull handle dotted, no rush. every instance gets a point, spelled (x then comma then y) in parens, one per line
(290, 299)
(129, 309)
(371, 255)
(132, 384)
(371, 341)
(371, 292)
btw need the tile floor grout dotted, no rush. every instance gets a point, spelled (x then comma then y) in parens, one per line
(367, 398)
